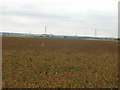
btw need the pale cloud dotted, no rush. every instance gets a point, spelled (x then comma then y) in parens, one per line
(60, 16)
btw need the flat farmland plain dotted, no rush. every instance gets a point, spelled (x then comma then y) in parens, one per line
(39, 62)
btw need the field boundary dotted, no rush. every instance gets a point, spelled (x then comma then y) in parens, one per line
(58, 38)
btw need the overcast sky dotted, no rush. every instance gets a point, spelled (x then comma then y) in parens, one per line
(66, 17)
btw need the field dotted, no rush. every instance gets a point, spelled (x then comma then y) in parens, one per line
(34, 62)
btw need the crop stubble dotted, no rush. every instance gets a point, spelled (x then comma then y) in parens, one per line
(34, 62)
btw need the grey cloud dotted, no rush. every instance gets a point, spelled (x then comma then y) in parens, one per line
(33, 14)
(12, 23)
(56, 21)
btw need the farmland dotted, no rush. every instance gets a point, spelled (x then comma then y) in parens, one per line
(39, 62)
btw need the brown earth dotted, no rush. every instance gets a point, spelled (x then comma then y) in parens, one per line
(34, 62)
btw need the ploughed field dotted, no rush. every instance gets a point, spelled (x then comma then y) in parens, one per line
(34, 62)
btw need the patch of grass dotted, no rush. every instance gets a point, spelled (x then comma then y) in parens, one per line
(78, 58)
(35, 54)
(30, 59)
(49, 59)
(24, 79)
(14, 62)
(60, 70)
(68, 60)
(47, 69)
(23, 76)
(70, 68)
(29, 66)
(90, 67)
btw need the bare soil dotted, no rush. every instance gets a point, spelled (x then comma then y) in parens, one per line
(35, 62)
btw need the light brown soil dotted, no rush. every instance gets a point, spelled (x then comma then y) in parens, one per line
(59, 62)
